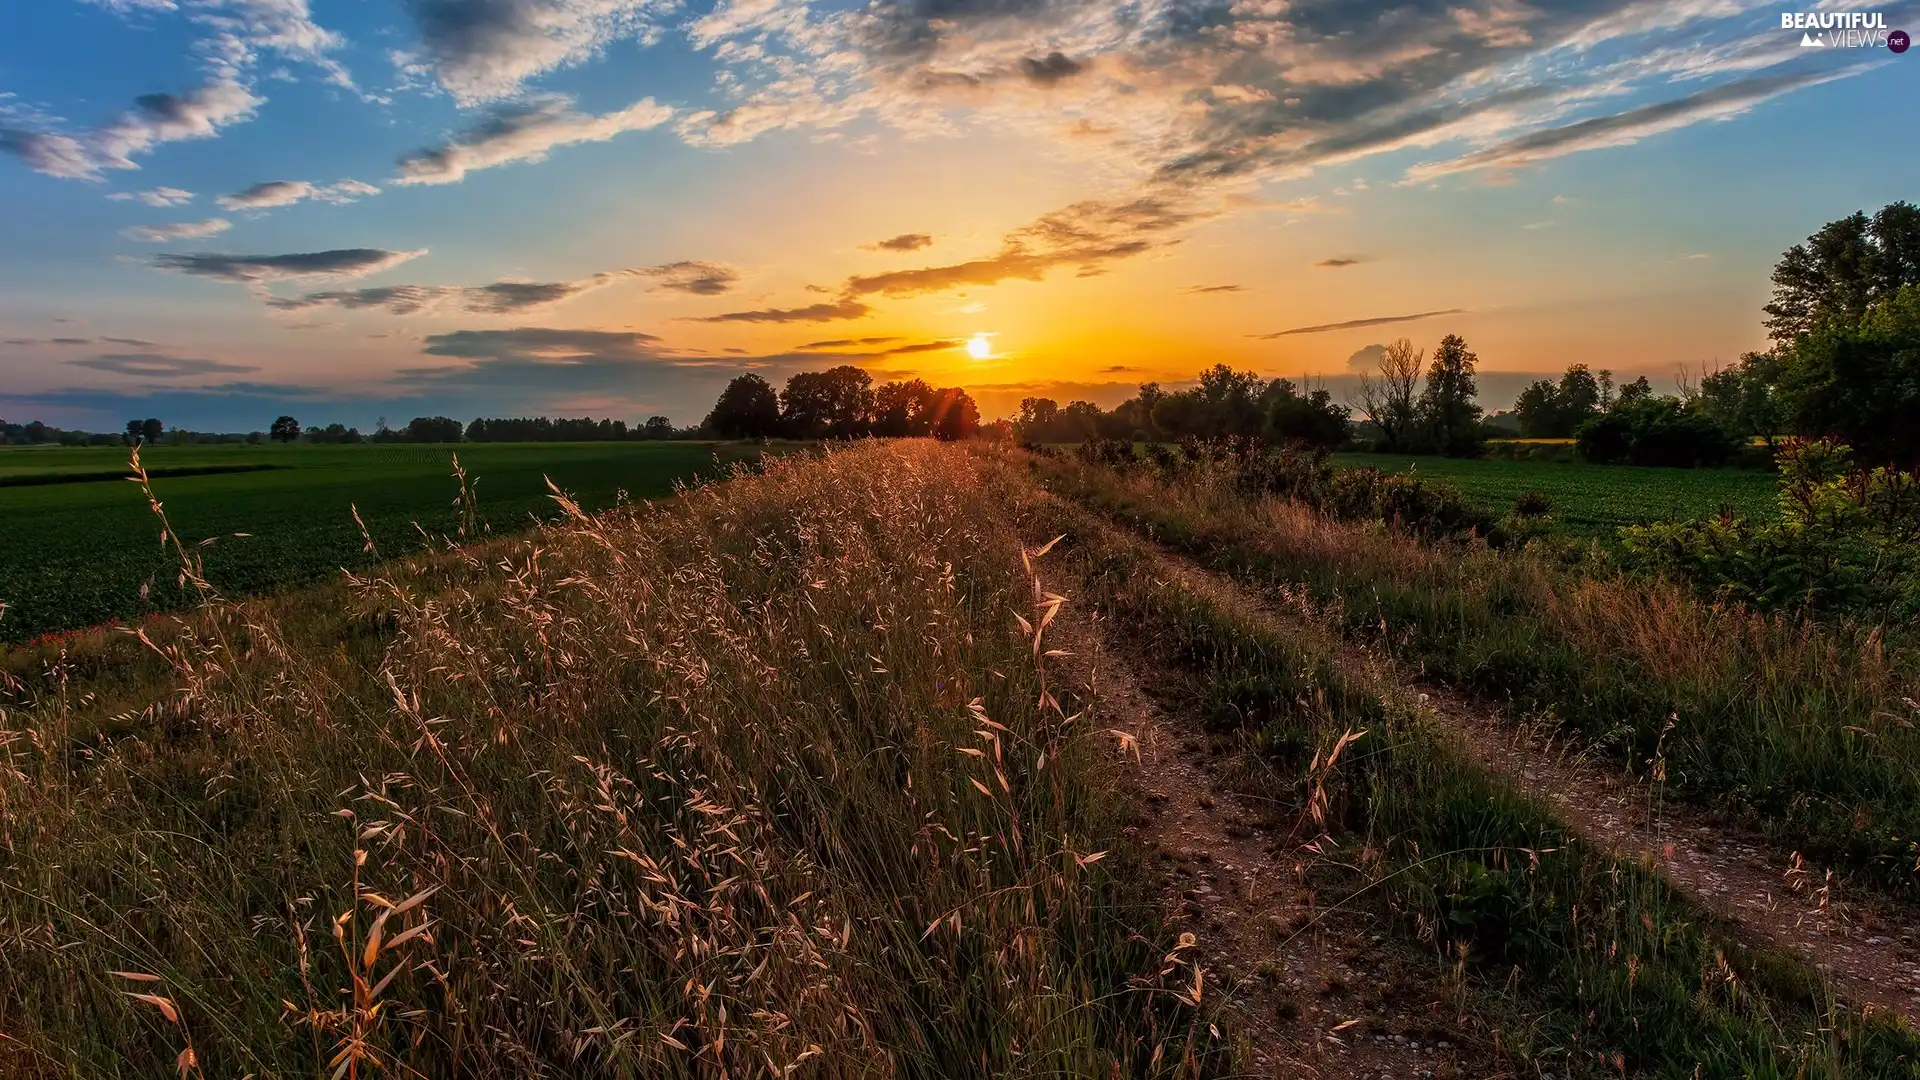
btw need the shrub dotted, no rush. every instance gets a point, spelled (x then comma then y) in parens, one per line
(1658, 431)
(1846, 540)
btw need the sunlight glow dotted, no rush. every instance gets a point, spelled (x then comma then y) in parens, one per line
(979, 347)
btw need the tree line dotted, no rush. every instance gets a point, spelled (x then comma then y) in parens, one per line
(841, 403)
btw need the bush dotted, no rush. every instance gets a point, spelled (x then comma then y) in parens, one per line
(1848, 540)
(1430, 511)
(1659, 431)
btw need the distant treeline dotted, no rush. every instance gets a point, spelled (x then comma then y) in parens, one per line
(841, 403)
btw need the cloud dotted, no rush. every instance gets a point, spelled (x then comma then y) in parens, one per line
(258, 269)
(158, 197)
(154, 119)
(545, 344)
(132, 341)
(1084, 235)
(158, 366)
(524, 131)
(1198, 290)
(1698, 255)
(845, 343)
(243, 28)
(688, 276)
(1337, 263)
(512, 297)
(903, 242)
(184, 230)
(62, 341)
(827, 312)
(1051, 68)
(1117, 369)
(1366, 359)
(1622, 129)
(273, 193)
(1356, 324)
(483, 50)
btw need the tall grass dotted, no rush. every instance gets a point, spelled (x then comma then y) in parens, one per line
(1577, 961)
(1804, 730)
(764, 781)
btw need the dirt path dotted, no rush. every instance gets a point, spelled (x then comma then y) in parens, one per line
(1312, 992)
(1769, 895)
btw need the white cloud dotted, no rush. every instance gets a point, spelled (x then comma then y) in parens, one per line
(184, 230)
(155, 119)
(159, 197)
(524, 132)
(272, 193)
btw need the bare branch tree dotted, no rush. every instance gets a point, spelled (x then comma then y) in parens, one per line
(1386, 396)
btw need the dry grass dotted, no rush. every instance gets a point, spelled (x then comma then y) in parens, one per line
(1804, 729)
(764, 781)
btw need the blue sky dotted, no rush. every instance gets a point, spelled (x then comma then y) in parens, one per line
(220, 210)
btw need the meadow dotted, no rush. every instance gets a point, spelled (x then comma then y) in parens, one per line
(77, 542)
(810, 773)
(1590, 501)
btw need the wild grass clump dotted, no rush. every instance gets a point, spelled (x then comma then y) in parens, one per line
(768, 780)
(1803, 729)
(1575, 961)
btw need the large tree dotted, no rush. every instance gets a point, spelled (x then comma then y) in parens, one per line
(904, 409)
(1842, 269)
(1448, 410)
(955, 416)
(285, 429)
(1859, 381)
(1386, 395)
(832, 404)
(748, 409)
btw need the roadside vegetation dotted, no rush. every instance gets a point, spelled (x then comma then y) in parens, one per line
(1800, 728)
(1569, 959)
(766, 778)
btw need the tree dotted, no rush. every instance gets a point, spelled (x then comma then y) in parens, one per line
(285, 429)
(954, 414)
(1743, 398)
(1447, 411)
(134, 430)
(1843, 269)
(748, 409)
(657, 427)
(831, 404)
(904, 409)
(1654, 431)
(1549, 411)
(1229, 401)
(434, 429)
(151, 430)
(1859, 381)
(1386, 396)
(1312, 419)
(1634, 392)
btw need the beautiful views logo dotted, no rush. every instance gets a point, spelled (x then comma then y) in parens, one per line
(1844, 30)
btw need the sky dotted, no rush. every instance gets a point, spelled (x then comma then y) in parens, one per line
(218, 211)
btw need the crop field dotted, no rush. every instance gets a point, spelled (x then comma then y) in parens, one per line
(78, 547)
(1592, 501)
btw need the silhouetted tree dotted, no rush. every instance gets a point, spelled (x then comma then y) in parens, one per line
(658, 427)
(285, 429)
(1386, 395)
(1448, 411)
(831, 404)
(434, 429)
(954, 415)
(748, 409)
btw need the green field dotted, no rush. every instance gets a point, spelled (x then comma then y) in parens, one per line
(78, 552)
(1591, 500)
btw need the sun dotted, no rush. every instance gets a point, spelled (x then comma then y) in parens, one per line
(979, 347)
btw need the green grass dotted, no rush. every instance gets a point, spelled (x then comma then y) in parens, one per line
(1803, 730)
(78, 553)
(1591, 501)
(1601, 957)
